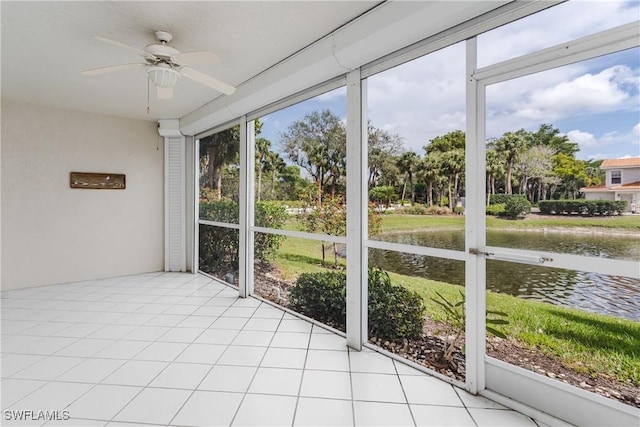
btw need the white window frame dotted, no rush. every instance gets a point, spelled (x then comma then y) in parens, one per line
(495, 378)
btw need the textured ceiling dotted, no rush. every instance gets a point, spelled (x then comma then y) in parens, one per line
(45, 46)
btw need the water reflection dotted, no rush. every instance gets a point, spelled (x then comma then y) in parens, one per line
(612, 295)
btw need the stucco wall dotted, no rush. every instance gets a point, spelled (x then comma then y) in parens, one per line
(52, 233)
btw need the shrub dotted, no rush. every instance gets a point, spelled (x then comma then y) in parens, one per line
(517, 206)
(394, 311)
(415, 210)
(495, 210)
(458, 210)
(582, 207)
(498, 199)
(321, 296)
(219, 248)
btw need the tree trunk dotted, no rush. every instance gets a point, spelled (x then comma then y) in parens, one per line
(413, 193)
(259, 183)
(507, 179)
(404, 191)
(430, 196)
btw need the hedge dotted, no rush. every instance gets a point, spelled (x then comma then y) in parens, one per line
(582, 207)
(219, 250)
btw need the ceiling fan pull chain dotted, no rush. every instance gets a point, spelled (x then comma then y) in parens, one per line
(148, 89)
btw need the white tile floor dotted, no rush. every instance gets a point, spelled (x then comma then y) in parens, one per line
(183, 350)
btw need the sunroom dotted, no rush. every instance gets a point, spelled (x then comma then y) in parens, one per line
(203, 240)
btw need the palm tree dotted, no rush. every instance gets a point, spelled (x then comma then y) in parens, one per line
(274, 165)
(219, 150)
(263, 146)
(495, 169)
(511, 145)
(408, 163)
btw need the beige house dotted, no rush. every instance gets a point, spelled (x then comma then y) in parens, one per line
(622, 182)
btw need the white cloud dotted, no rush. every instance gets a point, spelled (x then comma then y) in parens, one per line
(558, 24)
(558, 94)
(616, 144)
(588, 92)
(583, 139)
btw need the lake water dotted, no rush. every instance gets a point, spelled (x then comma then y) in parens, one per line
(612, 295)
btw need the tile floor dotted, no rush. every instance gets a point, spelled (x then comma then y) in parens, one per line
(183, 350)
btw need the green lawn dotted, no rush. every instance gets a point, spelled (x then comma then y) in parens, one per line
(586, 342)
(392, 223)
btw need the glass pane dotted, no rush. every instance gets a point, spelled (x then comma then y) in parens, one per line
(569, 21)
(218, 252)
(306, 276)
(300, 161)
(416, 176)
(220, 176)
(558, 142)
(398, 284)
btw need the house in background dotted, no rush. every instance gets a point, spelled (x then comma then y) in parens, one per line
(622, 182)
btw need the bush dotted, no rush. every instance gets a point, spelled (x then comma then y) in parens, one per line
(394, 311)
(498, 199)
(321, 296)
(495, 210)
(458, 210)
(219, 248)
(517, 206)
(582, 207)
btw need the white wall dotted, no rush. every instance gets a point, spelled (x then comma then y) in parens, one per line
(52, 233)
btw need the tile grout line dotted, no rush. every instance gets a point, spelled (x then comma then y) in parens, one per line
(404, 393)
(304, 368)
(244, 396)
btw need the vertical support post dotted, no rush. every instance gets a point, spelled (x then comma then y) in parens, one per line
(175, 257)
(196, 205)
(356, 213)
(190, 205)
(247, 150)
(475, 227)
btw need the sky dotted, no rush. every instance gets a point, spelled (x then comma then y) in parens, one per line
(595, 103)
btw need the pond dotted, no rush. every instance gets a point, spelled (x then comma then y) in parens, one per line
(610, 295)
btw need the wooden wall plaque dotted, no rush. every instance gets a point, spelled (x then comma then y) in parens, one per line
(98, 181)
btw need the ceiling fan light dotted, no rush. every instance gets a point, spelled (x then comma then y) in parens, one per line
(163, 76)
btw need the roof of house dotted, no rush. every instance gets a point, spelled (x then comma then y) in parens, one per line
(602, 187)
(621, 163)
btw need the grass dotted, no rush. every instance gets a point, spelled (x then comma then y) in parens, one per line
(399, 223)
(589, 343)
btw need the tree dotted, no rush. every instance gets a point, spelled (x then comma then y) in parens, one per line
(572, 173)
(510, 146)
(535, 166)
(549, 136)
(407, 164)
(447, 156)
(383, 148)
(495, 170)
(383, 193)
(263, 146)
(317, 143)
(216, 151)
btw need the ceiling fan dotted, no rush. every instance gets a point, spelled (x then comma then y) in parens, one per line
(165, 65)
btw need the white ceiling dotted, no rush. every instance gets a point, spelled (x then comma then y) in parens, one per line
(45, 46)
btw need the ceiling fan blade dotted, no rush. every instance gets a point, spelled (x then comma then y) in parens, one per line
(125, 46)
(105, 70)
(208, 81)
(191, 58)
(164, 92)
